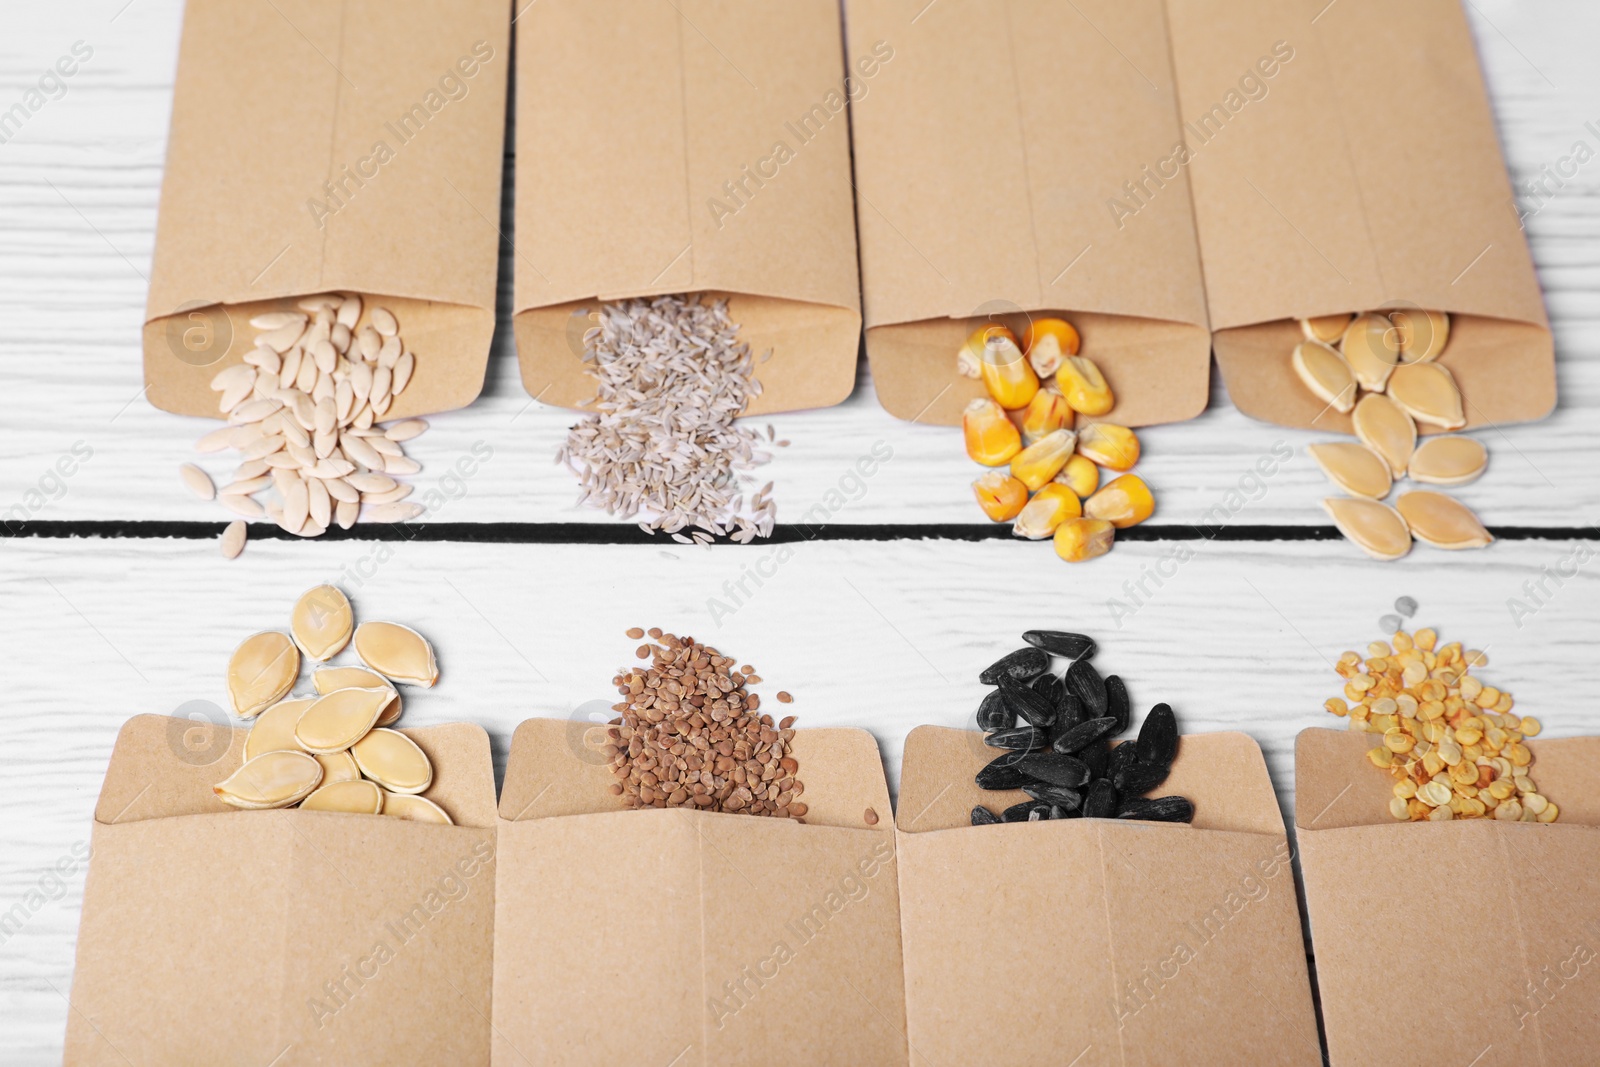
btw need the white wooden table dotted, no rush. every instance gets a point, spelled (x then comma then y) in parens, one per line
(880, 626)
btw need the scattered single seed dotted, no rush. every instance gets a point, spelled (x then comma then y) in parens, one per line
(1355, 468)
(784, 698)
(1377, 529)
(233, 538)
(397, 652)
(871, 817)
(1442, 521)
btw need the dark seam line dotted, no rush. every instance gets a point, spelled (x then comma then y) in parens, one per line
(585, 533)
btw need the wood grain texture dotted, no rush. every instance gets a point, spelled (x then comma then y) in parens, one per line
(883, 636)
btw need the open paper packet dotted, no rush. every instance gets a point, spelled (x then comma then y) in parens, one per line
(316, 146)
(743, 939)
(1112, 942)
(1364, 174)
(987, 151)
(1508, 911)
(695, 146)
(212, 936)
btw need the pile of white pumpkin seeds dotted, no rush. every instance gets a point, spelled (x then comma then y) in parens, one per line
(663, 444)
(334, 751)
(1061, 756)
(303, 411)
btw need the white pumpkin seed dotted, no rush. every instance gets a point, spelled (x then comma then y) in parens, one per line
(370, 482)
(239, 373)
(346, 514)
(1383, 426)
(1449, 460)
(340, 719)
(383, 321)
(397, 652)
(326, 679)
(293, 432)
(264, 360)
(404, 367)
(198, 481)
(281, 460)
(246, 486)
(232, 540)
(283, 338)
(400, 465)
(361, 452)
(389, 354)
(261, 671)
(1377, 529)
(322, 621)
(306, 379)
(1422, 334)
(296, 506)
(350, 311)
(319, 506)
(273, 730)
(369, 343)
(399, 492)
(1442, 521)
(291, 367)
(340, 337)
(344, 396)
(216, 440)
(271, 780)
(394, 761)
(250, 468)
(1356, 469)
(1328, 329)
(276, 320)
(1428, 393)
(338, 767)
(355, 798)
(405, 430)
(253, 411)
(241, 505)
(415, 808)
(315, 303)
(390, 513)
(1371, 347)
(1326, 374)
(262, 448)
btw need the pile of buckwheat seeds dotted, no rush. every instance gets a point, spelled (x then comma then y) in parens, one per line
(689, 734)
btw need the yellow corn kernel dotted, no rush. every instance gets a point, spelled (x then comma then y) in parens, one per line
(1048, 342)
(1049, 508)
(1084, 386)
(1046, 413)
(1043, 460)
(1001, 496)
(1079, 539)
(1006, 373)
(1123, 502)
(991, 438)
(1080, 475)
(1109, 445)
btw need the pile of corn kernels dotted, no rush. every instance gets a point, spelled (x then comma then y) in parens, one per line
(1452, 744)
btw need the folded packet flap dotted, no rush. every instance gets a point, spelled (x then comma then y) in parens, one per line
(989, 149)
(555, 767)
(1368, 173)
(162, 766)
(633, 120)
(275, 101)
(1223, 774)
(1335, 786)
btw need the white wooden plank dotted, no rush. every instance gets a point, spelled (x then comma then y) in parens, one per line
(880, 636)
(80, 189)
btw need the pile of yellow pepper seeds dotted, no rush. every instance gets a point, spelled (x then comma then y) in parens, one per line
(1452, 744)
(1046, 480)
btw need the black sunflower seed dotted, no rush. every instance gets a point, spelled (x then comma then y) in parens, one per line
(994, 713)
(1048, 686)
(1054, 768)
(1002, 772)
(1082, 735)
(1061, 643)
(1158, 736)
(1018, 739)
(1024, 812)
(982, 816)
(1086, 684)
(1123, 756)
(1100, 802)
(1134, 780)
(1023, 665)
(1161, 809)
(1069, 711)
(1117, 701)
(1058, 812)
(1055, 794)
(1032, 706)
(1096, 756)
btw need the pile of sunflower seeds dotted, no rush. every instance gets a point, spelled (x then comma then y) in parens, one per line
(1061, 756)
(303, 411)
(673, 377)
(688, 734)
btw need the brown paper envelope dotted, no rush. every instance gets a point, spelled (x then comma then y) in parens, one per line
(758, 938)
(274, 100)
(631, 117)
(1135, 943)
(211, 935)
(986, 152)
(1368, 176)
(1530, 889)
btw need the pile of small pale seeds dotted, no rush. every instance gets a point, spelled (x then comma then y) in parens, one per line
(1452, 744)
(689, 734)
(302, 411)
(673, 377)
